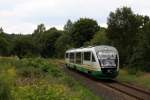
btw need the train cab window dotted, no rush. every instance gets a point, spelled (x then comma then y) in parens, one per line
(78, 57)
(67, 55)
(93, 58)
(72, 57)
(87, 56)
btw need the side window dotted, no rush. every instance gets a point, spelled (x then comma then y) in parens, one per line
(87, 56)
(66, 55)
(78, 57)
(93, 58)
(72, 57)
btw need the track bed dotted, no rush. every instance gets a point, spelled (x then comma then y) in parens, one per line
(109, 90)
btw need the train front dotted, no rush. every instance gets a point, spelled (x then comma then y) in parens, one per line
(109, 62)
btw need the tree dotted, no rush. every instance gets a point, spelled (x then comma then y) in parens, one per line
(24, 47)
(48, 40)
(99, 38)
(40, 29)
(63, 43)
(4, 50)
(68, 26)
(5, 43)
(141, 57)
(146, 46)
(37, 36)
(1, 30)
(123, 27)
(83, 30)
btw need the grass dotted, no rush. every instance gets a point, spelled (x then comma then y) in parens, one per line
(138, 78)
(38, 79)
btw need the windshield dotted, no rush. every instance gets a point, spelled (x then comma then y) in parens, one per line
(107, 58)
(107, 62)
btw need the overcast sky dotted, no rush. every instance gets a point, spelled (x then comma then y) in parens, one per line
(22, 16)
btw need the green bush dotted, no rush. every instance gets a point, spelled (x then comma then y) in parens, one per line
(5, 93)
(69, 81)
(30, 72)
(37, 67)
(54, 71)
(134, 70)
(38, 79)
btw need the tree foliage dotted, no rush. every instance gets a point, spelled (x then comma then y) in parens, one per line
(99, 38)
(68, 26)
(24, 47)
(48, 40)
(4, 49)
(40, 29)
(62, 44)
(83, 30)
(141, 57)
(123, 27)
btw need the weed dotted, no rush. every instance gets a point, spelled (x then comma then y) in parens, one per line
(5, 93)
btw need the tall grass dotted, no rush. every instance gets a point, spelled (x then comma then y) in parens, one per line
(38, 79)
(138, 77)
(5, 93)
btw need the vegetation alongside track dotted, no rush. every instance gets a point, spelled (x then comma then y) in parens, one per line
(38, 79)
(138, 78)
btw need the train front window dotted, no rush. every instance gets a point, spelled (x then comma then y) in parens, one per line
(107, 59)
(107, 62)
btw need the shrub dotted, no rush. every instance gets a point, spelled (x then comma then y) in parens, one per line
(5, 93)
(30, 72)
(54, 71)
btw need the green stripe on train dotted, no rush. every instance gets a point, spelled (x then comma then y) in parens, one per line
(96, 74)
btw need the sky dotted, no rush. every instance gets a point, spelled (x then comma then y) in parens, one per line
(23, 16)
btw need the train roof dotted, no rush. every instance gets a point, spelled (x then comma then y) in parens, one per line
(90, 48)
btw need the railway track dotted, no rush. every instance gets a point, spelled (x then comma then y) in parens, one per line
(130, 90)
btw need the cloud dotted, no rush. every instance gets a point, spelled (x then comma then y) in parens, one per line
(22, 16)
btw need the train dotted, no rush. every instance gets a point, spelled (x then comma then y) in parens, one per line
(101, 62)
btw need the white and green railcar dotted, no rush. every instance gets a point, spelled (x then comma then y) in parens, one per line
(101, 62)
